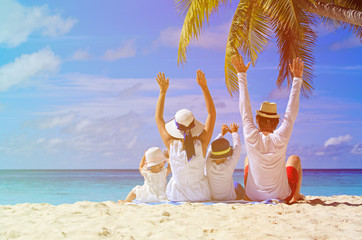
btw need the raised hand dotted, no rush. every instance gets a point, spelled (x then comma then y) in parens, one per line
(297, 67)
(234, 127)
(238, 63)
(165, 153)
(162, 82)
(200, 78)
(224, 129)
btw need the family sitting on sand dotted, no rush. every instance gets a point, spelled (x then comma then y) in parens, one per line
(266, 173)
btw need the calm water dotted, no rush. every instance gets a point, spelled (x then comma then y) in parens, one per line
(69, 186)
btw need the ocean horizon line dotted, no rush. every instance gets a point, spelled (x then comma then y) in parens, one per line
(136, 169)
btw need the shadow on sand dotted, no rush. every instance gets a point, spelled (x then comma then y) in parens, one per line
(318, 201)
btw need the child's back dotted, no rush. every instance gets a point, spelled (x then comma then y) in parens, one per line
(154, 187)
(220, 165)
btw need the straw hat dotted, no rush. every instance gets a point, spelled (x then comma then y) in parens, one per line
(220, 148)
(154, 156)
(184, 118)
(268, 110)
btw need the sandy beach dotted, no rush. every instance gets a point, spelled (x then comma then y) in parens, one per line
(337, 217)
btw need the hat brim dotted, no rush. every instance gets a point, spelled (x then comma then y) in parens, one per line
(267, 115)
(151, 164)
(171, 128)
(226, 155)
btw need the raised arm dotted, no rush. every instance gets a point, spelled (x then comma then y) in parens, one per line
(285, 129)
(206, 135)
(249, 129)
(168, 162)
(236, 143)
(142, 164)
(163, 83)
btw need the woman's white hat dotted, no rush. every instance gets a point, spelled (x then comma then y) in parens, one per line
(184, 117)
(268, 110)
(154, 156)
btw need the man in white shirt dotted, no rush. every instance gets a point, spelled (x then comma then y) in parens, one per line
(220, 165)
(266, 173)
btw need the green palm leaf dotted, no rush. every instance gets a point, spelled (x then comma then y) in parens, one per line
(197, 14)
(334, 24)
(295, 38)
(249, 34)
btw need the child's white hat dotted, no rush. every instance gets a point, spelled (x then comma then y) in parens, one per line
(154, 156)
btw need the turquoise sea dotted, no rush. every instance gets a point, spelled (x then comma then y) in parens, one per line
(69, 186)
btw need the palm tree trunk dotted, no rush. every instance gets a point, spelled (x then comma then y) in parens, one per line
(333, 11)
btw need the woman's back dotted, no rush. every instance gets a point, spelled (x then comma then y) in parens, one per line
(188, 182)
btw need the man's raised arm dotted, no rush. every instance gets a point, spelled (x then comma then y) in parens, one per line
(285, 130)
(249, 128)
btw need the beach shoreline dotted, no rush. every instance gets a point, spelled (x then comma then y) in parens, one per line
(318, 217)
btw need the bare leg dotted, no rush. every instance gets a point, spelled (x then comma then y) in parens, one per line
(246, 164)
(294, 161)
(129, 198)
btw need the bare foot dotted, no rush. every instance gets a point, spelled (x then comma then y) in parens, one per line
(297, 197)
(122, 202)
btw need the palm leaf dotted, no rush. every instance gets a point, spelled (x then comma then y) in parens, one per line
(197, 14)
(249, 34)
(334, 24)
(295, 38)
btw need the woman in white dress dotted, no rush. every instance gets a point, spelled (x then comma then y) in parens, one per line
(152, 168)
(187, 140)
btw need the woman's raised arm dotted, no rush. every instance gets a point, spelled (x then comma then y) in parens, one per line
(206, 135)
(163, 83)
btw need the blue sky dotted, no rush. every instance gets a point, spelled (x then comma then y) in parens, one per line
(78, 88)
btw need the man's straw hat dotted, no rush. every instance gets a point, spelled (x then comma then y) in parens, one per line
(268, 110)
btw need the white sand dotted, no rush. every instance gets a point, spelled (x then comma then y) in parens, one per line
(337, 217)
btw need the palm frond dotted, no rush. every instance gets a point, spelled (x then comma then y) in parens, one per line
(295, 42)
(197, 14)
(284, 11)
(350, 4)
(333, 25)
(357, 30)
(249, 34)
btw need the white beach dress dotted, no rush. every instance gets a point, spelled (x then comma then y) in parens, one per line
(188, 182)
(154, 187)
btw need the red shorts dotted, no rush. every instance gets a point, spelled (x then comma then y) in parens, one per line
(293, 177)
(292, 180)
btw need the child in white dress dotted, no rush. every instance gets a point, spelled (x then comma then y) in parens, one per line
(152, 168)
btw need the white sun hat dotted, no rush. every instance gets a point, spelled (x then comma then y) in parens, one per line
(184, 118)
(268, 110)
(154, 156)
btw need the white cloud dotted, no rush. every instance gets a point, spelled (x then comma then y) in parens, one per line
(357, 149)
(211, 38)
(28, 66)
(81, 54)
(55, 141)
(127, 50)
(279, 93)
(337, 140)
(132, 142)
(351, 42)
(17, 22)
(57, 121)
(169, 37)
